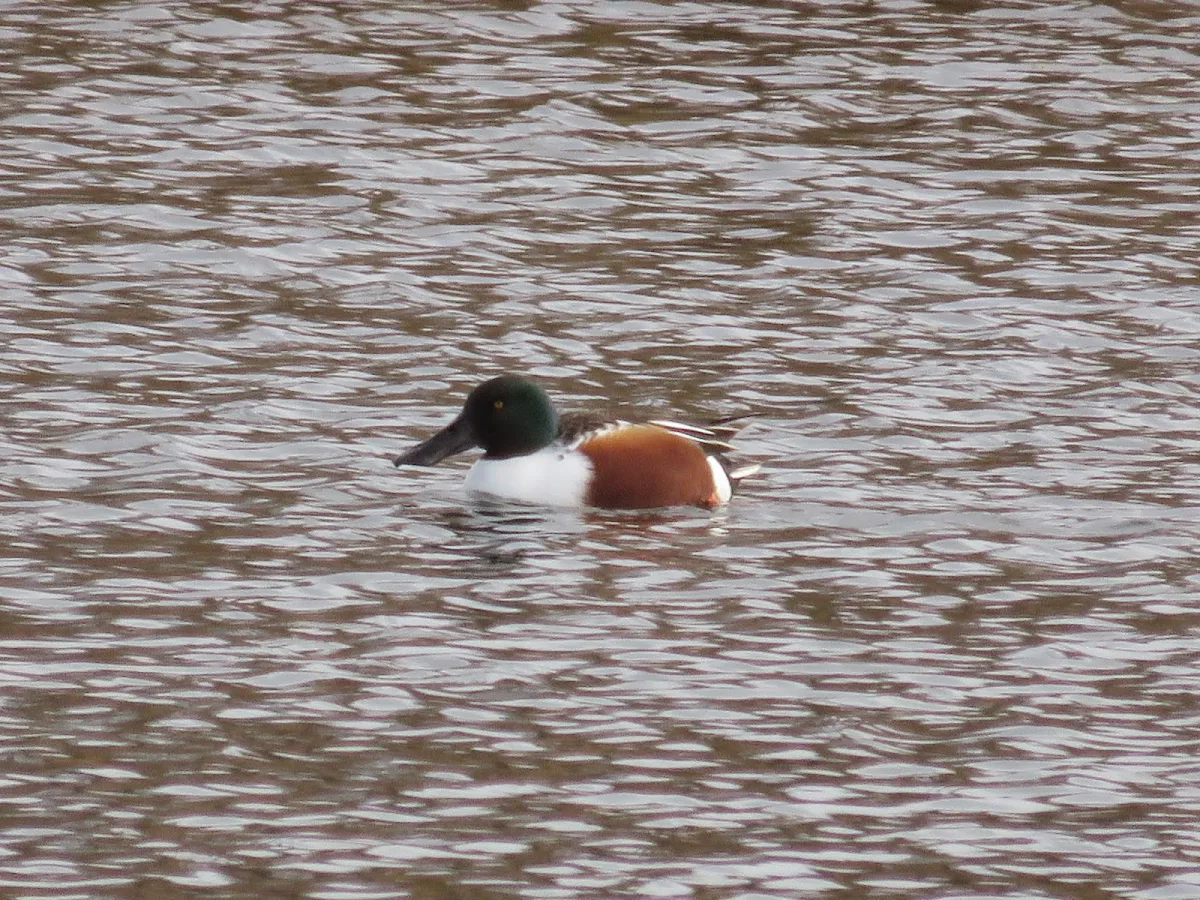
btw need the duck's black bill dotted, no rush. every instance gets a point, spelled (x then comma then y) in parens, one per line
(454, 438)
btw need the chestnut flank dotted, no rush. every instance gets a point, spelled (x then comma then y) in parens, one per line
(644, 466)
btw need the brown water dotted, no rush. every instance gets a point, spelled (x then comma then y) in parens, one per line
(947, 645)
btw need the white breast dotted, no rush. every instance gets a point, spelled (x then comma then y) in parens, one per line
(550, 477)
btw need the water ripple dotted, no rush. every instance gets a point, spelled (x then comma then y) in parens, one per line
(944, 644)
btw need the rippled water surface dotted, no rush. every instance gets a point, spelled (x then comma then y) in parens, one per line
(947, 644)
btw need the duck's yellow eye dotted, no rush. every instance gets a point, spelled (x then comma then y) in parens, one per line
(498, 404)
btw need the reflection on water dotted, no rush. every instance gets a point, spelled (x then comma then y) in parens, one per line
(944, 645)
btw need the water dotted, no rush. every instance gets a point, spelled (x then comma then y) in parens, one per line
(945, 645)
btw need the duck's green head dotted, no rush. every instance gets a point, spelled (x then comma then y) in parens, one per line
(506, 416)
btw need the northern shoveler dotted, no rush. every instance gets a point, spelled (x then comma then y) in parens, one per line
(535, 455)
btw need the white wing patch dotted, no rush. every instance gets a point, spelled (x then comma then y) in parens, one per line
(708, 438)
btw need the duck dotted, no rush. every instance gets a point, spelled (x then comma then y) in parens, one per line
(533, 454)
